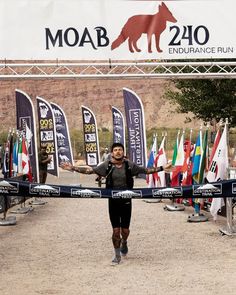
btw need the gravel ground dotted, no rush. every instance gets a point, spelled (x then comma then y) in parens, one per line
(64, 247)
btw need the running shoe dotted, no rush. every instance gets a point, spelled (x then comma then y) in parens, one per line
(116, 260)
(124, 248)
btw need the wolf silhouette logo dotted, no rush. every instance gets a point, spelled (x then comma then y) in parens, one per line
(150, 24)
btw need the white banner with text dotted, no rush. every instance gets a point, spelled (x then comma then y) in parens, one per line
(117, 30)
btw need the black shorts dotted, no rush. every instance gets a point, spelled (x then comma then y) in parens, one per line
(120, 212)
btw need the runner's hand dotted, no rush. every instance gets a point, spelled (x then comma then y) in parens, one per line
(168, 167)
(66, 166)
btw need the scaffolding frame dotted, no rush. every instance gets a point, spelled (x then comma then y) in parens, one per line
(118, 70)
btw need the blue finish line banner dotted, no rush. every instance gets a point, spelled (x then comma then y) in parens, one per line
(222, 189)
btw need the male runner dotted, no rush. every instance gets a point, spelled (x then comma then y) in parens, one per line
(119, 174)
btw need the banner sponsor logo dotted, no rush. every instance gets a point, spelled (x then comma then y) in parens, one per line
(167, 192)
(126, 194)
(207, 190)
(44, 190)
(9, 187)
(85, 193)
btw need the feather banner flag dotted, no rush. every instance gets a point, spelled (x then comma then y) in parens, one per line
(47, 133)
(137, 150)
(64, 150)
(25, 115)
(91, 141)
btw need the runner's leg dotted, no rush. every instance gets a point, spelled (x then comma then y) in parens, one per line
(124, 234)
(125, 223)
(116, 235)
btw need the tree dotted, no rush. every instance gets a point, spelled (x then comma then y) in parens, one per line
(208, 99)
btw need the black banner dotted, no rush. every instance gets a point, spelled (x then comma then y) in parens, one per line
(136, 128)
(62, 135)
(91, 144)
(25, 122)
(47, 131)
(226, 188)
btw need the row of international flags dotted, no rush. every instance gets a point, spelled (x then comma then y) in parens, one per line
(193, 164)
(16, 156)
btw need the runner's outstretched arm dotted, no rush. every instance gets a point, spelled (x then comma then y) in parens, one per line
(167, 168)
(80, 169)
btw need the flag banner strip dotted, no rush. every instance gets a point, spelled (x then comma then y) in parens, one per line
(10, 187)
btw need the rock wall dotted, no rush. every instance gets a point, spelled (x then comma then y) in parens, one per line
(98, 95)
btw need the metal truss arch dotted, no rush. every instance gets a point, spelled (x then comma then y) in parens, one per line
(118, 70)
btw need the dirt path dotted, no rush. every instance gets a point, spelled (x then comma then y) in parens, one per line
(64, 247)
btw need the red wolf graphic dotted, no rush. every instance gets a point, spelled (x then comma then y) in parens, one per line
(150, 24)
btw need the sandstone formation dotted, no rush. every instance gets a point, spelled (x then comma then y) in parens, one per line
(98, 95)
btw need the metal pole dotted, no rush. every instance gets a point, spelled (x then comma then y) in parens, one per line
(229, 216)
(229, 230)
